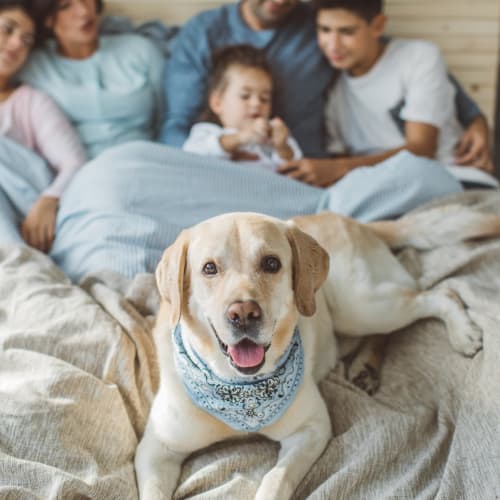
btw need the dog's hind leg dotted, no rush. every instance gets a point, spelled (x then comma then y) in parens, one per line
(363, 366)
(443, 303)
(410, 305)
(391, 307)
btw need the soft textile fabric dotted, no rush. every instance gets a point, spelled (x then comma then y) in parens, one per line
(292, 53)
(78, 374)
(359, 111)
(414, 72)
(124, 208)
(23, 176)
(112, 97)
(204, 139)
(247, 405)
(33, 119)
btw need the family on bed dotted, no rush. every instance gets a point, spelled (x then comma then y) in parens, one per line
(312, 92)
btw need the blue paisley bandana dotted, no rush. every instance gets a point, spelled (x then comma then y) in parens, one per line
(247, 405)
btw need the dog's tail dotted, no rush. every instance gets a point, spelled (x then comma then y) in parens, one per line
(437, 227)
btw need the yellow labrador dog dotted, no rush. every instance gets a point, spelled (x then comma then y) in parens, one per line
(246, 329)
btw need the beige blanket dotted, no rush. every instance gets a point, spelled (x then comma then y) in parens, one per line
(77, 374)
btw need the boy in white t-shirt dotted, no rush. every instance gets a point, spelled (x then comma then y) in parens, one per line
(237, 123)
(391, 95)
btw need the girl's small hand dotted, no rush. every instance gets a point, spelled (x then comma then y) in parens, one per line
(255, 131)
(262, 131)
(38, 228)
(279, 133)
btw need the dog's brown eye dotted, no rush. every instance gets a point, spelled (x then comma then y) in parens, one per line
(210, 268)
(271, 264)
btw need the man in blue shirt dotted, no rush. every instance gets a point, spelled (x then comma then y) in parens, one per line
(286, 31)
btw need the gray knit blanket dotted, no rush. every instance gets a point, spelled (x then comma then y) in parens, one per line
(78, 373)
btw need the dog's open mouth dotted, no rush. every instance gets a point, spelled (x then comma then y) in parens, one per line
(246, 356)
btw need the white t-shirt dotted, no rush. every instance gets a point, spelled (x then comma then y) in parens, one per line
(204, 139)
(410, 81)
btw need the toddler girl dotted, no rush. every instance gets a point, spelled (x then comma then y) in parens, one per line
(237, 122)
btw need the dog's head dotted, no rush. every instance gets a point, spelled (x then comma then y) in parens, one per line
(237, 283)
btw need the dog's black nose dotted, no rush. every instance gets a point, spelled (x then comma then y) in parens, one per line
(244, 315)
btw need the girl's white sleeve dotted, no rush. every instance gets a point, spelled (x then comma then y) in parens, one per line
(204, 139)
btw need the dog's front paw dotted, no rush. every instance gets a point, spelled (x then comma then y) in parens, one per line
(364, 376)
(468, 339)
(157, 468)
(153, 492)
(274, 487)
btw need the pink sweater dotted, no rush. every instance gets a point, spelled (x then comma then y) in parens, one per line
(34, 120)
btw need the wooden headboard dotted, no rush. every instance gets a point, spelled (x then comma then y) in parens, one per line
(468, 32)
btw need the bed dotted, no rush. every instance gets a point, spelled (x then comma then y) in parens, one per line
(78, 374)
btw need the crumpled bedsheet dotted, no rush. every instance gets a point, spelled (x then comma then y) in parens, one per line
(78, 373)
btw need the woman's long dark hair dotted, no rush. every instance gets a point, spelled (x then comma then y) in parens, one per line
(45, 9)
(28, 7)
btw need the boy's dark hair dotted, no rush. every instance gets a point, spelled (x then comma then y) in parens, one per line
(243, 55)
(27, 6)
(366, 9)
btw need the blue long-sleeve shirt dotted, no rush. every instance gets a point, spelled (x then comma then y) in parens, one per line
(301, 74)
(113, 96)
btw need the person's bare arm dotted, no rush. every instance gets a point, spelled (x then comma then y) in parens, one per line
(421, 140)
(231, 142)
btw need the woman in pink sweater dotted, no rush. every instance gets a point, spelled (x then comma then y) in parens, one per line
(33, 120)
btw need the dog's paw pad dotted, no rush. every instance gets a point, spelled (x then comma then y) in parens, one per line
(366, 378)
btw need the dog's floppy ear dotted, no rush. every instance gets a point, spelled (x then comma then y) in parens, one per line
(310, 263)
(170, 276)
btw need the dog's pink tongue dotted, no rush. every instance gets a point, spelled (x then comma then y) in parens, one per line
(246, 353)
